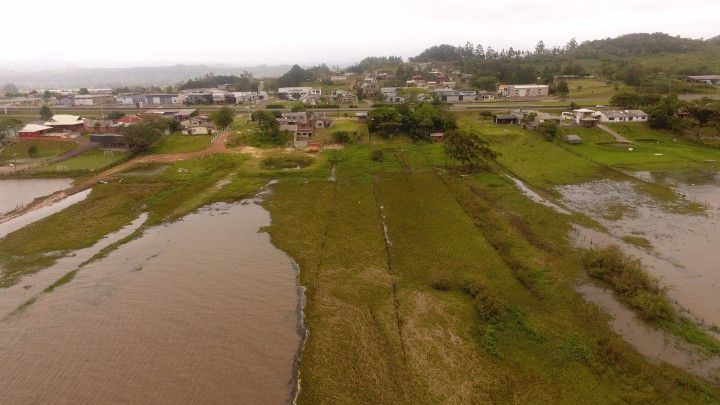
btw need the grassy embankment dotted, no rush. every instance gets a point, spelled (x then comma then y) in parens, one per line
(469, 300)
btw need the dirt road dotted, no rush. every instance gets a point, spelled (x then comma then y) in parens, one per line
(217, 146)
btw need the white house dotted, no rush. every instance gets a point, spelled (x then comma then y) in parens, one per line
(298, 93)
(621, 116)
(524, 90)
(391, 95)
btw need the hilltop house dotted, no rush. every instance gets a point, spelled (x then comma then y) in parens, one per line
(585, 117)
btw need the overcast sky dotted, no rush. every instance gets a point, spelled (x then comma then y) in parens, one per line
(47, 33)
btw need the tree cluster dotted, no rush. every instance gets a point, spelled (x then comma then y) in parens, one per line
(416, 120)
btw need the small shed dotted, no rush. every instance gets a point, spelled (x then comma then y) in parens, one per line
(573, 139)
(437, 137)
(361, 116)
(109, 141)
(506, 119)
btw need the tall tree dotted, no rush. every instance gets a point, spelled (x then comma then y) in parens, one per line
(223, 117)
(45, 112)
(540, 48)
(467, 147)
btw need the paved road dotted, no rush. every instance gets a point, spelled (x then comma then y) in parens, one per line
(617, 136)
(217, 146)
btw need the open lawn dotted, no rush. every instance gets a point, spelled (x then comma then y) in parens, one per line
(652, 150)
(87, 161)
(595, 89)
(178, 143)
(356, 129)
(21, 150)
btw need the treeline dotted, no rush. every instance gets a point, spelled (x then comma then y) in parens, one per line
(244, 82)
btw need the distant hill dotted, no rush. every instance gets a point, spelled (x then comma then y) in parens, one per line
(639, 44)
(136, 76)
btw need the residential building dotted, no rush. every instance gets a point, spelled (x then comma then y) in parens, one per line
(455, 96)
(93, 99)
(64, 122)
(298, 93)
(391, 95)
(523, 90)
(34, 130)
(486, 95)
(505, 119)
(177, 115)
(704, 79)
(621, 116)
(585, 117)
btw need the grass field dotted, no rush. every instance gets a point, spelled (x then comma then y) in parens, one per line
(357, 130)
(652, 150)
(87, 161)
(469, 299)
(44, 149)
(178, 143)
(595, 89)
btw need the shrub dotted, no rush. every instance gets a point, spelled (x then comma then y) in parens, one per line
(341, 136)
(627, 277)
(287, 161)
(486, 114)
(274, 106)
(32, 150)
(488, 307)
(442, 283)
(377, 155)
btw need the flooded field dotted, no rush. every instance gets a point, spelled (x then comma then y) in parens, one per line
(28, 218)
(15, 193)
(684, 246)
(203, 310)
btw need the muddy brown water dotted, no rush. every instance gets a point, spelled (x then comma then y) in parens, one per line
(27, 218)
(685, 254)
(203, 310)
(16, 193)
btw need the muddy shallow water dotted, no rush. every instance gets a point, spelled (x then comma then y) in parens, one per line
(15, 193)
(203, 310)
(684, 253)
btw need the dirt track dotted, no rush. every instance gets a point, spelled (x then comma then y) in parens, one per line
(217, 146)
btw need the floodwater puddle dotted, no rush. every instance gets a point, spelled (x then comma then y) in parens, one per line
(30, 286)
(202, 310)
(28, 218)
(652, 343)
(16, 193)
(685, 246)
(531, 194)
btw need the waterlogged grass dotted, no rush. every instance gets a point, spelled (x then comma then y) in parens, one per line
(470, 299)
(641, 292)
(178, 143)
(182, 188)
